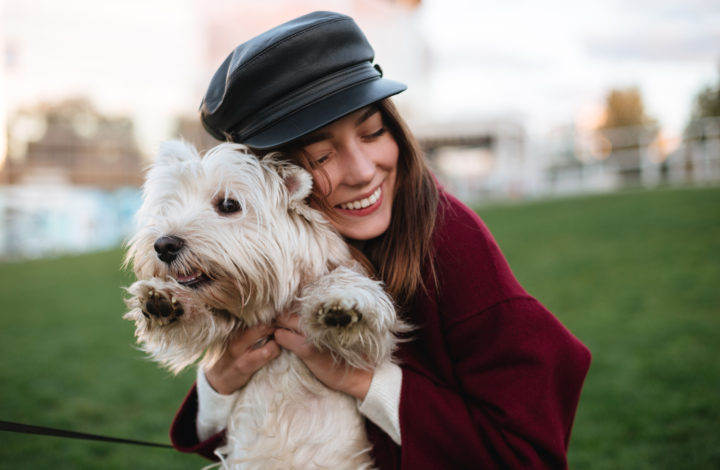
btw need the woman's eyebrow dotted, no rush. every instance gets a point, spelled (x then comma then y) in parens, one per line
(370, 111)
(316, 137)
(323, 135)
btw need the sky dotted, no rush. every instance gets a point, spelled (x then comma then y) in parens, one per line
(554, 61)
(545, 64)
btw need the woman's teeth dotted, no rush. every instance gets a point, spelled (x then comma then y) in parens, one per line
(363, 203)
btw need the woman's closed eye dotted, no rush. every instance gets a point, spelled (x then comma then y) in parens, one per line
(376, 134)
(317, 161)
(317, 154)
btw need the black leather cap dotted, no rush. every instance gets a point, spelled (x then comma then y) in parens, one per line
(292, 80)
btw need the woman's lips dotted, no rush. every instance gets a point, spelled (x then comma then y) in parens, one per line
(364, 205)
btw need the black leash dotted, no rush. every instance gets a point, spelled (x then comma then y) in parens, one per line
(43, 431)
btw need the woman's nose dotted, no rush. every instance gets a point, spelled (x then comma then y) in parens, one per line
(359, 166)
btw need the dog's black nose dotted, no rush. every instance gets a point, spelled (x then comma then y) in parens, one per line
(167, 248)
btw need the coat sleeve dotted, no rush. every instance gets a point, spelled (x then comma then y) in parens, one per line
(519, 375)
(183, 431)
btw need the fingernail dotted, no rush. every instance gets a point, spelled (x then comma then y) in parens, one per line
(261, 342)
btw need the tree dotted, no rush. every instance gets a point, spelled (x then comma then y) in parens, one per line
(705, 105)
(624, 108)
(627, 131)
(707, 102)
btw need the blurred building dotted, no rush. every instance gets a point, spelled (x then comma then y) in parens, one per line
(189, 129)
(478, 160)
(69, 142)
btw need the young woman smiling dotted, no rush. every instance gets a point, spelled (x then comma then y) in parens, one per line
(489, 378)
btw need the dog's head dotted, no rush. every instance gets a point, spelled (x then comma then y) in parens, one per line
(224, 225)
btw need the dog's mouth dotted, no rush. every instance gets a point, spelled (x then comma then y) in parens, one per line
(194, 279)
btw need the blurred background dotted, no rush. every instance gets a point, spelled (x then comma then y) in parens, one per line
(586, 134)
(510, 99)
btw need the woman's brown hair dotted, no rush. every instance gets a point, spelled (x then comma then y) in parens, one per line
(398, 255)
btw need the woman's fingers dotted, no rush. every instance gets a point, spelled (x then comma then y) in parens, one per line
(290, 321)
(255, 348)
(289, 335)
(338, 376)
(258, 357)
(249, 351)
(294, 342)
(251, 338)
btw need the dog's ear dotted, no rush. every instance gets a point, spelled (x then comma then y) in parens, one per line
(176, 151)
(297, 180)
(298, 183)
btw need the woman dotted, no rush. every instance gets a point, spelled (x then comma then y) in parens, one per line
(489, 378)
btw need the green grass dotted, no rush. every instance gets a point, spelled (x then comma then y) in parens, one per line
(68, 361)
(635, 276)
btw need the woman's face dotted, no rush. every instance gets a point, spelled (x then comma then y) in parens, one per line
(359, 156)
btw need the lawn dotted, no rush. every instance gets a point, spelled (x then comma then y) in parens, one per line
(69, 362)
(634, 275)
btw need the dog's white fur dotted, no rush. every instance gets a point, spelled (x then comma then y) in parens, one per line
(275, 254)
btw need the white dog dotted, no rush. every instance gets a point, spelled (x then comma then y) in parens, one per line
(226, 242)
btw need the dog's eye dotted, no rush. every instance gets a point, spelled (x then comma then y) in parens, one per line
(228, 206)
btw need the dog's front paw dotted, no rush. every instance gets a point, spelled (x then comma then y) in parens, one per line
(156, 300)
(338, 315)
(343, 328)
(161, 306)
(350, 315)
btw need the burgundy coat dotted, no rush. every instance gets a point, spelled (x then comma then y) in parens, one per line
(491, 379)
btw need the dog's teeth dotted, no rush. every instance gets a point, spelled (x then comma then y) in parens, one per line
(173, 300)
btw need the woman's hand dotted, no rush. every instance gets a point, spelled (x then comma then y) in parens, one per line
(340, 377)
(246, 355)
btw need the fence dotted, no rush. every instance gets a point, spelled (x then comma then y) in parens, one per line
(640, 156)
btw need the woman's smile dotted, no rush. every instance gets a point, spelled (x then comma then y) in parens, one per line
(365, 205)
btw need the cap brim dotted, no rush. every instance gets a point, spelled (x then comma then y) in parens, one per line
(323, 112)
